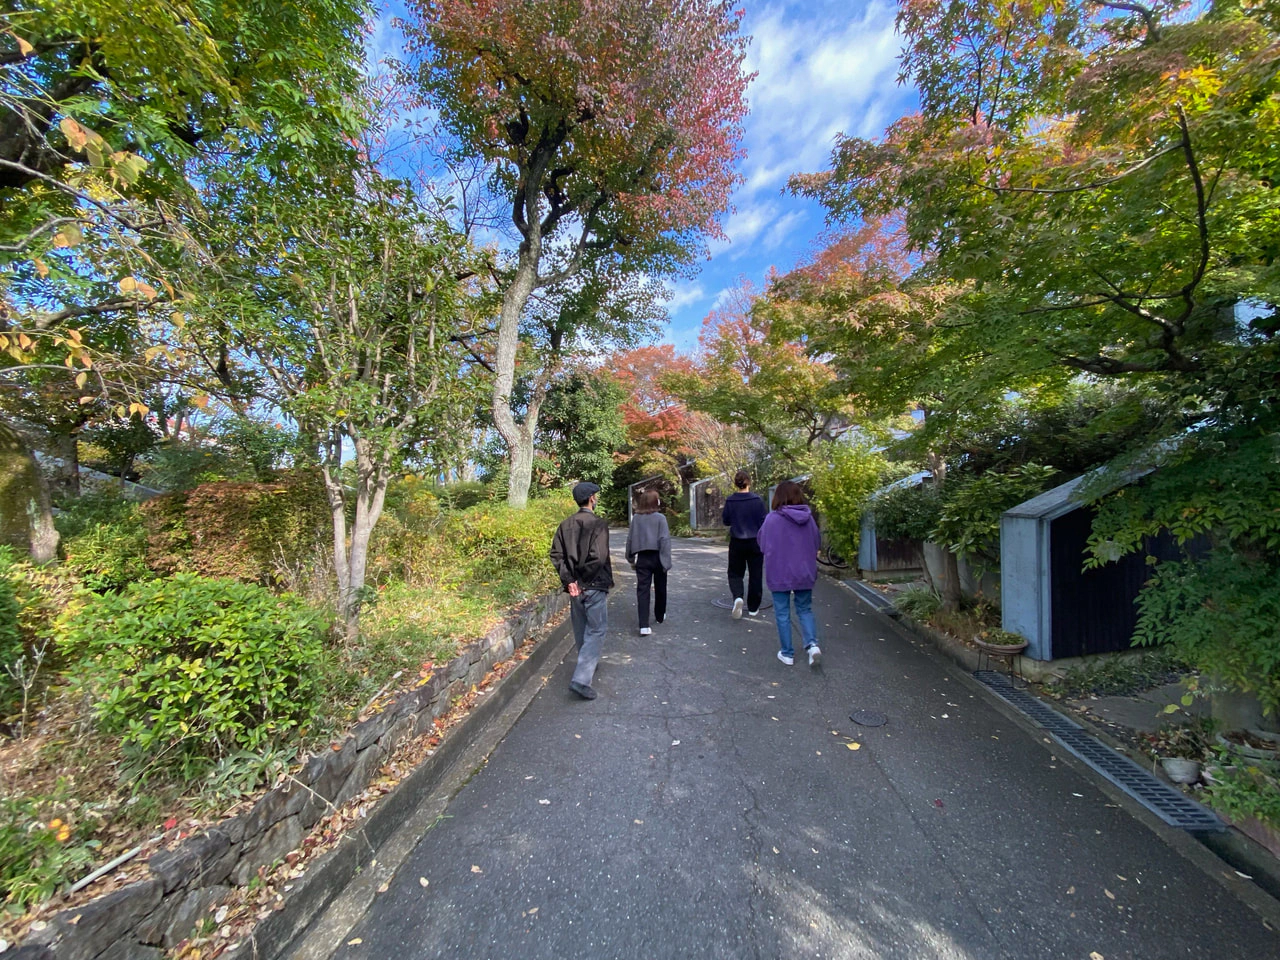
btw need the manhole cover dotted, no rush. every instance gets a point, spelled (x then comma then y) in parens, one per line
(868, 718)
(728, 604)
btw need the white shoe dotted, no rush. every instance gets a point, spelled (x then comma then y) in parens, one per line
(737, 609)
(785, 659)
(815, 655)
(753, 613)
(645, 631)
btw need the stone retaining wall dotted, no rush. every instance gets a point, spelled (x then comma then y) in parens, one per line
(140, 921)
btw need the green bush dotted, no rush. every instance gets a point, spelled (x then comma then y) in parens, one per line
(11, 646)
(918, 603)
(104, 538)
(240, 530)
(971, 507)
(191, 668)
(841, 490)
(38, 856)
(491, 542)
(908, 512)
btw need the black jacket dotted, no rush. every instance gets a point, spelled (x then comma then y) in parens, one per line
(580, 551)
(743, 514)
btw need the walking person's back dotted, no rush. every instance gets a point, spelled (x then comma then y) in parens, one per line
(580, 553)
(790, 540)
(743, 514)
(649, 553)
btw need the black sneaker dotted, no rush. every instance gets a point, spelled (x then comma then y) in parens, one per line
(582, 690)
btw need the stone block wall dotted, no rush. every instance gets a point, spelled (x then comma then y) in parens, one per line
(142, 920)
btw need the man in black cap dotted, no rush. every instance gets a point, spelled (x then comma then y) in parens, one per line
(580, 552)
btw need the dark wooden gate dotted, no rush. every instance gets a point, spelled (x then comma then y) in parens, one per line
(1093, 611)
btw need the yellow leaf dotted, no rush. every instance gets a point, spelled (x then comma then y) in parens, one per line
(475, 869)
(1095, 955)
(41, 267)
(151, 353)
(147, 291)
(81, 379)
(84, 400)
(77, 135)
(200, 401)
(1110, 895)
(140, 409)
(128, 285)
(24, 341)
(854, 746)
(179, 320)
(24, 47)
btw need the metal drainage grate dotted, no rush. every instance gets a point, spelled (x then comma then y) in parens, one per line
(1171, 806)
(873, 598)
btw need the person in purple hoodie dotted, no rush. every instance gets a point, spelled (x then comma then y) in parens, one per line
(790, 539)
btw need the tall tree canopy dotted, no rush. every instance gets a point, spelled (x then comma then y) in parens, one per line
(612, 128)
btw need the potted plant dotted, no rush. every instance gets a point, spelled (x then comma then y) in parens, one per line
(1000, 642)
(1180, 751)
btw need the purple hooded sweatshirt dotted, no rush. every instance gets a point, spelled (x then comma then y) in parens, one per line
(790, 540)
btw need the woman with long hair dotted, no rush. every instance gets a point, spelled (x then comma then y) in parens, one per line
(790, 539)
(649, 553)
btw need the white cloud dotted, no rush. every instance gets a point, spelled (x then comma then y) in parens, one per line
(681, 296)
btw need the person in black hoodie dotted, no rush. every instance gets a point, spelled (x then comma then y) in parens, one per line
(743, 514)
(580, 553)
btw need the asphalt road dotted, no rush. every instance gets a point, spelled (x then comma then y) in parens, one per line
(709, 805)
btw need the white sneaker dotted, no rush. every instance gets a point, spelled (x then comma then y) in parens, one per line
(645, 631)
(737, 609)
(785, 659)
(753, 613)
(815, 655)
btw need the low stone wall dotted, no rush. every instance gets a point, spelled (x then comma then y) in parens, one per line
(140, 921)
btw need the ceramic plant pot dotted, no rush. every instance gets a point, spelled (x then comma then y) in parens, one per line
(1179, 770)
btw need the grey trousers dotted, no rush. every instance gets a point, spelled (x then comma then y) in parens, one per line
(590, 615)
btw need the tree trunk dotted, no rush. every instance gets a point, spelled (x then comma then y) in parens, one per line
(68, 450)
(371, 492)
(520, 457)
(26, 512)
(337, 510)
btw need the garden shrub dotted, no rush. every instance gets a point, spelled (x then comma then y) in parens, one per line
(38, 856)
(918, 603)
(104, 537)
(969, 523)
(11, 647)
(491, 542)
(239, 530)
(842, 489)
(405, 544)
(908, 512)
(191, 668)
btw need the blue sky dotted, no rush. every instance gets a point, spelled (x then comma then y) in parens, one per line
(824, 67)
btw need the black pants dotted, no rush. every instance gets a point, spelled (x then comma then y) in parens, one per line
(649, 570)
(745, 555)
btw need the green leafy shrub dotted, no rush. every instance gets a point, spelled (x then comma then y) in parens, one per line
(1221, 614)
(11, 645)
(969, 523)
(918, 603)
(104, 537)
(1245, 793)
(908, 512)
(191, 668)
(37, 856)
(405, 544)
(842, 489)
(466, 494)
(239, 530)
(493, 541)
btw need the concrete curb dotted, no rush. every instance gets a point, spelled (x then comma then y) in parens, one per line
(1209, 860)
(318, 888)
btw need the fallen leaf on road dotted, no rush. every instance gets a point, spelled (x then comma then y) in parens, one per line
(854, 746)
(1245, 875)
(475, 869)
(1095, 955)
(946, 716)
(939, 804)
(1125, 879)
(423, 881)
(577, 736)
(384, 887)
(1110, 895)
(532, 911)
(775, 850)
(354, 941)
(773, 718)
(544, 802)
(637, 822)
(675, 743)
(818, 752)
(1071, 890)
(530, 777)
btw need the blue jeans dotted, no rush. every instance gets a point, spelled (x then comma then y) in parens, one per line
(804, 613)
(589, 612)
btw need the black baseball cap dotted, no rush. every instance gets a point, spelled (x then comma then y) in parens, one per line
(583, 491)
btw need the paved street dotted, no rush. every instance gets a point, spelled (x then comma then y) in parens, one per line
(708, 805)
